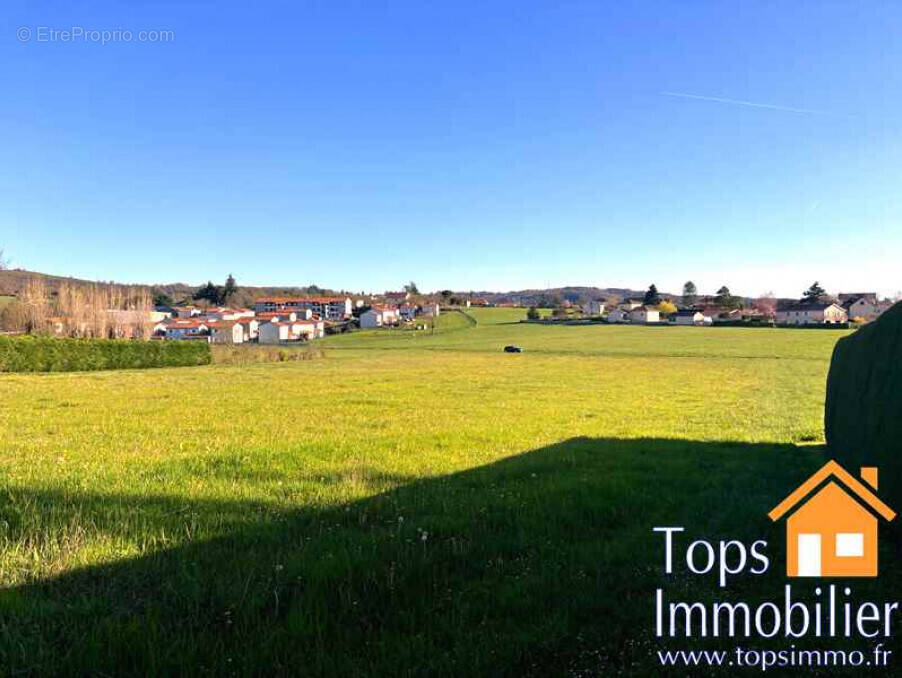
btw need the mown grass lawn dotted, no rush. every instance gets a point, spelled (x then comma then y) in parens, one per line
(405, 505)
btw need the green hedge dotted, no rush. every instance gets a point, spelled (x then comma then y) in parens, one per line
(52, 354)
(863, 413)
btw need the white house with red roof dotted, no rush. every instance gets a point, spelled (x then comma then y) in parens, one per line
(379, 315)
(225, 332)
(863, 305)
(187, 311)
(305, 330)
(251, 327)
(617, 315)
(223, 313)
(396, 297)
(185, 328)
(812, 313)
(645, 314)
(283, 331)
(274, 332)
(690, 316)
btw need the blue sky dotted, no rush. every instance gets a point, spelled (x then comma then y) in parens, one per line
(462, 145)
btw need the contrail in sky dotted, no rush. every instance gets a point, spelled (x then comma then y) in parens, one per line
(752, 104)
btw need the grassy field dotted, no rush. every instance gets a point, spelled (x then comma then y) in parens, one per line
(410, 503)
(499, 327)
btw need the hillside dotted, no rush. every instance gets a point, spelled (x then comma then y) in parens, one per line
(13, 281)
(573, 294)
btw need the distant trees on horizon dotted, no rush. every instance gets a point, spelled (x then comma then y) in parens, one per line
(652, 296)
(814, 294)
(216, 295)
(690, 293)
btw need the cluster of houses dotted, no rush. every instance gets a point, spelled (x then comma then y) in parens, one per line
(279, 320)
(859, 307)
(395, 308)
(851, 307)
(637, 312)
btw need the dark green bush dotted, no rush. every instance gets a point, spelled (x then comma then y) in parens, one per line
(863, 414)
(52, 354)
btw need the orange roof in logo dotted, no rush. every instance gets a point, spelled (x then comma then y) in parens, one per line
(831, 468)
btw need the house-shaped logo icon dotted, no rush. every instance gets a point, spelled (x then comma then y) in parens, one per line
(832, 526)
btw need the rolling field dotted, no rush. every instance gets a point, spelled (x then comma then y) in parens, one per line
(498, 327)
(411, 503)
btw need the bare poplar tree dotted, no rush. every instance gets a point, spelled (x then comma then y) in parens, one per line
(35, 299)
(13, 317)
(97, 320)
(140, 307)
(65, 309)
(98, 310)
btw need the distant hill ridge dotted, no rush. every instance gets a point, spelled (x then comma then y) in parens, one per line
(573, 294)
(12, 281)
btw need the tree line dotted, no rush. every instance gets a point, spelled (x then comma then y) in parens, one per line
(87, 311)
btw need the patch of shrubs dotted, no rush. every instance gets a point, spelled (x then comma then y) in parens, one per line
(256, 353)
(54, 354)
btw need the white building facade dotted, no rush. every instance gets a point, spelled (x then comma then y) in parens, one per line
(812, 314)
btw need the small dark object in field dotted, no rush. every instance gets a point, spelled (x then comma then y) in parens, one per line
(513, 349)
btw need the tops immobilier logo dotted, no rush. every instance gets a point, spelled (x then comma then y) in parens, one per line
(832, 526)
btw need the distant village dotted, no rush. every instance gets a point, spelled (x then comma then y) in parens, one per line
(209, 313)
(863, 307)
(815, 307)
(279, 320)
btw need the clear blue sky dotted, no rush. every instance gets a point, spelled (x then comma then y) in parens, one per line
(463, 145)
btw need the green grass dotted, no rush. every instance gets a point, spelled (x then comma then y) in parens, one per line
(408, 504)
(5, 299)
(402, 336)
(499, 327)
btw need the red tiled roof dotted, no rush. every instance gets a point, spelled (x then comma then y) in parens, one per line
(299, 321)
(300, 300)
(184, 323)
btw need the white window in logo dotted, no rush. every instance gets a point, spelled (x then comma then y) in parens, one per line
(850, 544)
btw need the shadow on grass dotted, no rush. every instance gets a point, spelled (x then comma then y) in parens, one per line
(544, 563)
